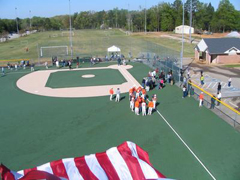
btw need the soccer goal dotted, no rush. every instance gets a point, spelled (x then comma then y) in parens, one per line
(67, 33)
(49, 51)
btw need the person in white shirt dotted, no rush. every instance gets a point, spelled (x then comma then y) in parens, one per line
(117, 95)
(46, 65)
(229, 82)
(57, 64)
(132, 104)
(144, 107)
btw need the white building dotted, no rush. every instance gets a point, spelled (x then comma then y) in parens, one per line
(179, 29)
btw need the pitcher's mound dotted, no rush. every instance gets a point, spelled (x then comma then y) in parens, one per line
(88, 76)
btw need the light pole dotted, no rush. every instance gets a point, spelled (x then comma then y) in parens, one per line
(30, 19)
(16, 20)
(182, 38)
(70, 31)
(190, 30)
(145, 17)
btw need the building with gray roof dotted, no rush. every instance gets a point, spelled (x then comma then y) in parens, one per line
(218, 50)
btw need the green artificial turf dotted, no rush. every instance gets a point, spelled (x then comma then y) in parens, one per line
(63, 79)
(36, 130)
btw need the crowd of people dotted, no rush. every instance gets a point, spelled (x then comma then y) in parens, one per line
(138, 101)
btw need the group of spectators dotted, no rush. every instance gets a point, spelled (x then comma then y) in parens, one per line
(157, 80)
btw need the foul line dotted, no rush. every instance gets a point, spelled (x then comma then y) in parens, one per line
(186, 145)
(206, 169)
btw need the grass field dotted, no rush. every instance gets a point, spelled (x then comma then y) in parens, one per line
(36, 129)
(74, 78)
(90, 43)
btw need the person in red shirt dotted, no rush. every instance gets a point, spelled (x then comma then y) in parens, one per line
(130, 94)
(150, 107)
(111, 93)
(201, 97)
(137, 107)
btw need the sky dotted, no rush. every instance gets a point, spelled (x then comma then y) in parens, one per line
(50, 8)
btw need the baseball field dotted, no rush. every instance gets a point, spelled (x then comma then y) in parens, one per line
(183, 140)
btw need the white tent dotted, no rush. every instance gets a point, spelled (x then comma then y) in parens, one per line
(114, 49)
(233, 34)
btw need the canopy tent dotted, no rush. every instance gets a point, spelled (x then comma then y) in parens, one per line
(114, 49)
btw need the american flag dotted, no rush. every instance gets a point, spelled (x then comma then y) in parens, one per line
(126, 161)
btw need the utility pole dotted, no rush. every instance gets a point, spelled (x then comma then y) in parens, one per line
(30, 19)
(182, 38)
(190, 20)
(129, 28)
(116, 18)
(16, 20)
(145, 17)
(70, 31)
(158, 18)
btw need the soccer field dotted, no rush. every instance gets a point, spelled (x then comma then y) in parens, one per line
(38, 129)
(87, 43)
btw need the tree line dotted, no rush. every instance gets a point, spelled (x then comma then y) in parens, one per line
(161, 17)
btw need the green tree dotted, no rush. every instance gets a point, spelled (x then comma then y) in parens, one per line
(225, 18)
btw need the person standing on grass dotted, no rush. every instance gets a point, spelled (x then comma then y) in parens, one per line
(201, 97)
(111, 93)
(137, 107)
(132, 102)
(3, 71)
(229, 82)
(70, 64)
(16, 67)
(184, 91)
(150, 107)
(46, 65)
(32, 67)
(144, 107)
(154, 100)
(212, 102)
(219, 97)
(117, 95)
(219, 87)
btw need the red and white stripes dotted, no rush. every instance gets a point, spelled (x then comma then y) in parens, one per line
(127, 161)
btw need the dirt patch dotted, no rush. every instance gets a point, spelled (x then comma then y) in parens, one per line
(35, 82)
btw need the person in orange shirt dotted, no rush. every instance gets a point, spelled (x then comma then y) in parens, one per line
(201, 97)
(143, 94)
(137, 107)
(111, 93)
(150, 107)
(130, 94)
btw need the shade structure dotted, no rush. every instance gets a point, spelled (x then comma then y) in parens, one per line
(114, 49)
